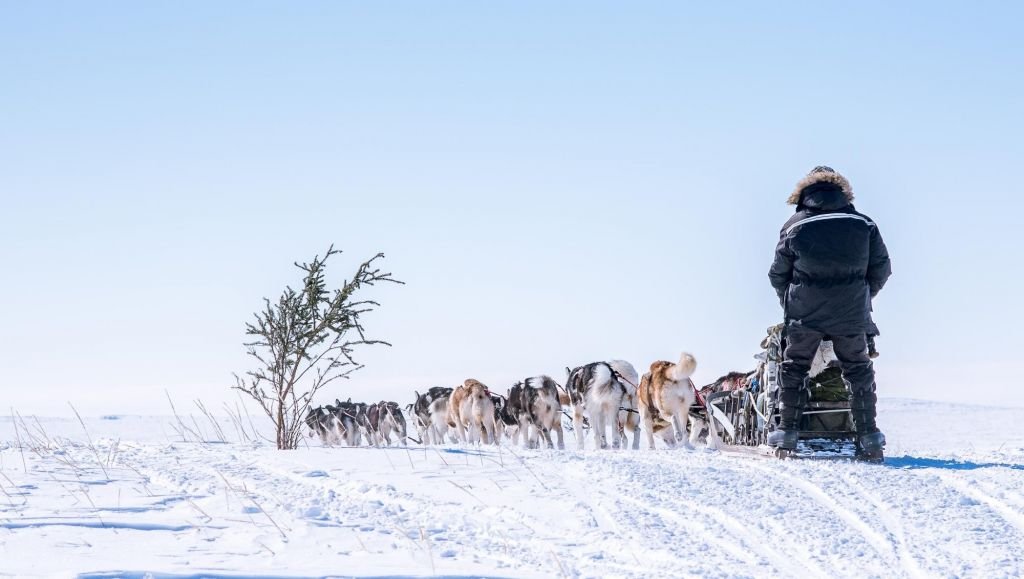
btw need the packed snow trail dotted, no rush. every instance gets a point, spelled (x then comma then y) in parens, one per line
(134, 500)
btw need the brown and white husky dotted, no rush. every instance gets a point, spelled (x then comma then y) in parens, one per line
(471, 413)
(665, 395)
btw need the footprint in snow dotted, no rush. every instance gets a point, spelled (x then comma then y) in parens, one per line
(316, 473)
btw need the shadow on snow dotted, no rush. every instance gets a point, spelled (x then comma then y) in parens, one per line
(913, 462)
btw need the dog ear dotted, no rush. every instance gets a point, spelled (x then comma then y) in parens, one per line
(567, 371)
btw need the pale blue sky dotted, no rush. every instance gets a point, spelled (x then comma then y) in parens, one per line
(556, 182)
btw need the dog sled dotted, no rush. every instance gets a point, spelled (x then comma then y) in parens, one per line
(744, 408)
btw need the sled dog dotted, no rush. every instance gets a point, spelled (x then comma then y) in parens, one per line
(344, 426)
(385, 418)
(665, 395)
(423, 411)
(534, 405)
(505, 422)
(320, 422)
(595, 391)
(471, 413)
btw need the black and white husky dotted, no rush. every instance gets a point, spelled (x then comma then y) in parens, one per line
(596, 391)
(349, 421)
(320, 421)
(386, 418)
(507, 424)
(534, 405)
(429, 412)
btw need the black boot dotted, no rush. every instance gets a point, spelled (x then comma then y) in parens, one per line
(870, 447)
(791, 409)
(784, 439)
(870, 441)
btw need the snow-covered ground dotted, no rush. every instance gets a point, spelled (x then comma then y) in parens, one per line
(137, 500)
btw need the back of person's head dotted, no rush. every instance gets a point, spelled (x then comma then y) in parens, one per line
(824, 187)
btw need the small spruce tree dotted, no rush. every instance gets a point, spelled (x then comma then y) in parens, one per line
(304, 341)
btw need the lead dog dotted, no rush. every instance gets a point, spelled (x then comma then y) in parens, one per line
(666, 394)
(320, 421)
(595, 391)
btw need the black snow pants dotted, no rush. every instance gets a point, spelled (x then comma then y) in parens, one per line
(852, 351)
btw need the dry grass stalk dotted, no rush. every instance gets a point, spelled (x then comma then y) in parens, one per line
(91, 447)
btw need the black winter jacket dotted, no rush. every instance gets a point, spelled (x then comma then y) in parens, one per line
(830, 261)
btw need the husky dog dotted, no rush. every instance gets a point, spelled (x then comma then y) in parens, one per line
(517, 410)
(439, 419)
(350, 421)
(471, 413)
(343, 425)
(665, 396)
(595, 390)
(362, 418)
(336, 429)
(454, 417)
(320, 422)
(629, 416)
(535, 406)
(385, 418)
(423, 411)
(504, 420)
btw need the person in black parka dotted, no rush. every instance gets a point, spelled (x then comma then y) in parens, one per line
(829, 264)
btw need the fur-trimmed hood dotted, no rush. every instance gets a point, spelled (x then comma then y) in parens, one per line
(821, 178)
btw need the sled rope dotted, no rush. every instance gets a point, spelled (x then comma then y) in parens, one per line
(700, 397)
(618, 376)
(753, 404)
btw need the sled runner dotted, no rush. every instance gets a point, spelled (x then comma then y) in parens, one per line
(745, 408)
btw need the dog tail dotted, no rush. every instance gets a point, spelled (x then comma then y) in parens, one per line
(685, 368)
(601, 374)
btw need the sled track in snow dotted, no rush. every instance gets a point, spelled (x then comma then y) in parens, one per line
(694, 528)
(1012, 516)
(737, 541)
(606, 521)
(683, 533)
(892, 524)
(831, 503)
(715, 525)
